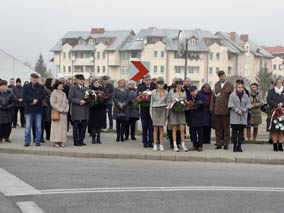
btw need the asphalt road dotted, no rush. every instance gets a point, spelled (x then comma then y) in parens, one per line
(56, 184)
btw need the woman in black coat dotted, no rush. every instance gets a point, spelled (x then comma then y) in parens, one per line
(97, 115)
(275, 99)
(7, 102)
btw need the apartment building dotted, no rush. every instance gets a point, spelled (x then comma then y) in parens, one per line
(278, 60)
(101, 52)
(92, 53)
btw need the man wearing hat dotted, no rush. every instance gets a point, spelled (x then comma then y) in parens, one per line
(33, 94)
(19, 106)
(108, 90)
(79, 110)
(147, 124)
(220, 110)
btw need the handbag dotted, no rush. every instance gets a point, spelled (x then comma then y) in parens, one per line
(54, 115)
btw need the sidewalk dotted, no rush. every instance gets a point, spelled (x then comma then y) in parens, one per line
(253, 153)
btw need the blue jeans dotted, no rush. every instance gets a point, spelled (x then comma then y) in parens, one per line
(147, 130)
(30, 119)
(109, 113)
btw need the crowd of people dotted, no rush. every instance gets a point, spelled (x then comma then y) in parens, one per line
(48, 107)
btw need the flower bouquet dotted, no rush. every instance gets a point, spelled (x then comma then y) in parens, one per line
(93, 97)
(278, 118)
(181, 105)
(144, 99)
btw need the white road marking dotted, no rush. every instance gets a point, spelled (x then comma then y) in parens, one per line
(10, 185)
(29, 207)
(161, 189)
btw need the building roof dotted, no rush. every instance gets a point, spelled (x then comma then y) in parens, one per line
(169, 37)
(117, 37)
(274, 50)
(239, 45)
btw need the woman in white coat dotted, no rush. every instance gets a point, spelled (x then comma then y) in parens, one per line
(59, 103)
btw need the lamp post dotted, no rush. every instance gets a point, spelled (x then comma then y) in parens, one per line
(73, 59)
(183, 49)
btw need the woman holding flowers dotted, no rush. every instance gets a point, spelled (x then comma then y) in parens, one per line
(239, 105)
(176, 120)
(159, 112)
(275, 100)
(97, 111)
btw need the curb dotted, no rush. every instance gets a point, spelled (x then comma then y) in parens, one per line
(257, 160)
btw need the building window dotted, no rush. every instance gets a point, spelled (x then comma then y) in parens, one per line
(98, 55)
(81, 41)
(179, 69)
(210, 70)
(193, 69)
(124, 70)
(162, 69)
(280, 66)
(98, 69)
(104, 55)
(82, 55)
(104, 69)
(155, 69)
(91, 41)
(162, 54)
(217, 70)
(136, 54)
(69, 54)
(155, 54)
(274, 66)
(125, 55)
(211, 56)
(217, 56)
(69, 69)
(64, 69)
(64, 54)
(192, 42)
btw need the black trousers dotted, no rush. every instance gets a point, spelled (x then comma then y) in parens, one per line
(79, 131)
(196, 136)
(47, 127)
(207, 134)
(237, 134)
(22, 115)
(120, 128)
(5, 130)
(130, 124)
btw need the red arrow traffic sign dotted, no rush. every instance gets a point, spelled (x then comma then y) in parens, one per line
(141, 70)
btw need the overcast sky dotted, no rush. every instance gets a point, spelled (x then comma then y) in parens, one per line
(31, 27)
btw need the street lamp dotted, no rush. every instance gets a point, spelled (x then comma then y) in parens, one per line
(183, 49)
(73, 59)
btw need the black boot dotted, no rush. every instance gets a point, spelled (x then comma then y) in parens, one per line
(122, 139)
(240, 146)
(280, 148)
(94, 139)
(275, 148)
(235, 146)
(99, 138)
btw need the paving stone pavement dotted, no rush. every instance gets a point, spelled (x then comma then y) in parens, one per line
(253, 153)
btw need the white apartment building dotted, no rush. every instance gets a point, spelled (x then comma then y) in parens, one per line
(101, 52)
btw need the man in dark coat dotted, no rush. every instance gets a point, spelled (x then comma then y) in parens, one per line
(7, 101)
(220, 110)
(79, 110)
(33, 94)
(147, 124)
(196, 119)
(19, 106)
(108, 90)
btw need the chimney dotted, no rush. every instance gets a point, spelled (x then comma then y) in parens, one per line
(245, 38)
(97, 30)
(233, 36)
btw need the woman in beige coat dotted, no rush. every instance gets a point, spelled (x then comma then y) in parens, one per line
(59, 102)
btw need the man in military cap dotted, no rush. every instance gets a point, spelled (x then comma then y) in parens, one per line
(79, 110)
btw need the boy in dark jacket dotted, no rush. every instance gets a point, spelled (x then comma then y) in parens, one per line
(196, 119)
